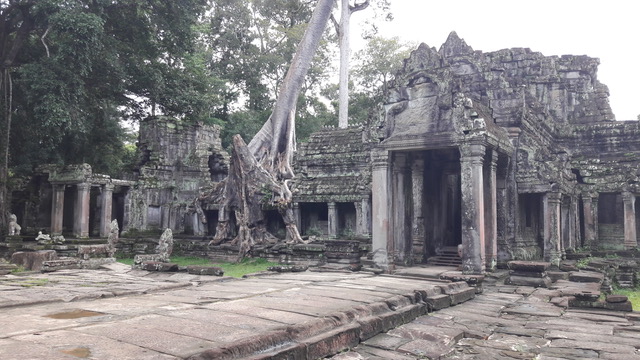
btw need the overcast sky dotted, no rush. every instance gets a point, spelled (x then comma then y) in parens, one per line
(608, 30)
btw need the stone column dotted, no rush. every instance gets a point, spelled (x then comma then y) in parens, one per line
(333, 219)
(380, 224)
(491, 211)
(589, 219)
(363, 217)
(107, 205)
(630, 239)
(473, 225)
(81, 211)
(566, 231)
(126, 216)
(57, 209)
(552, 239)
(417, 223)
(298, 216)
(401, 250)
(574, 216)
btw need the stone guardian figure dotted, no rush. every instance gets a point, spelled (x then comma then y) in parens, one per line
(14, 228)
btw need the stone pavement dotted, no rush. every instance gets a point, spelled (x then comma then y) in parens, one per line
(509, 322)
(125, 314)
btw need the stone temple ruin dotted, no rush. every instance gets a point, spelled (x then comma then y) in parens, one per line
(511, 154)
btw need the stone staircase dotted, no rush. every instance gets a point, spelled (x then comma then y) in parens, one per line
(447, 257)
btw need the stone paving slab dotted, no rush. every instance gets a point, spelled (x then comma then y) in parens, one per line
(119, 313)
(507, 322)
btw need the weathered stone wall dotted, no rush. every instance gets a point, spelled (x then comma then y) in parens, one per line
(177, 159)
(334, 166)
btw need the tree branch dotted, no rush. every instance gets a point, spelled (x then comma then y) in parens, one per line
(359, 6)
(43, 42)
(335, 24)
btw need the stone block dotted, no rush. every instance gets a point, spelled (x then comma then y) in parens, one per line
(616, 298)
(528, 266)
(33, 260)
(205, 270)
(159, 266)
(534, 274)
(332, 342)
(61, 264)
(558, 275)
(586, 276)
(458, 292)
(438, 302)
(544, 282)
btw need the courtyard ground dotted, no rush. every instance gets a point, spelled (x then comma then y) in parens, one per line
(119, 313)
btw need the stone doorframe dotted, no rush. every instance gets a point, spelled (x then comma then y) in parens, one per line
(397, 227)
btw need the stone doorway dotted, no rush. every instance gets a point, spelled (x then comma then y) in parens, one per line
(442, 201)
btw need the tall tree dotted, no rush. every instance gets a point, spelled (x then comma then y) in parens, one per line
(251, 43)
(264, 166)
(344, 33)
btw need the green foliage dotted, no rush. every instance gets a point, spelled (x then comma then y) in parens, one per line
(245, 266)
(583, 263)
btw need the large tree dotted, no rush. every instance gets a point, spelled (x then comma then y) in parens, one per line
(259, 172)
(251, 44)
(68, 68)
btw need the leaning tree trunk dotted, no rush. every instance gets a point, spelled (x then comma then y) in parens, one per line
(259, 172)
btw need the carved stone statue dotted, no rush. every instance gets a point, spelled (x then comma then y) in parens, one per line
(14, 228)
(165, 246)
(112, 240)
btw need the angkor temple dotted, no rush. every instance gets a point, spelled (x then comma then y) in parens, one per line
(512, 154)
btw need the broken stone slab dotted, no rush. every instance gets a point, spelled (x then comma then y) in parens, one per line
(598, 304)
(458, 292)
(60, 264)
(33, 260)
(288, 268)
(528, 266)
(616, 298)
(543, 282)
(159, 266)
(558, 275)
(534, 274)
(205, 270)
(138, 260)
(586, 276)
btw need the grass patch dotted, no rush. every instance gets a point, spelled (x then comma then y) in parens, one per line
(632, 294)
(246, 266)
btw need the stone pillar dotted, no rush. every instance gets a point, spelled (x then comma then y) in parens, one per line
(297, 215)
(473, 225)
(574, 216)
(590, 219)
(363, 217)
(57, 209)
(417, 223)
(401, 249)
(566, 231)
(630, 240)
(380, 202)
(107, 205)
(81, 211)
(552, 239)
(491, 211)
(333, 219)
(126, 216)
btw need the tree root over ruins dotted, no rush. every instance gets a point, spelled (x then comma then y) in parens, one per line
(259, 172)
(247, 190)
